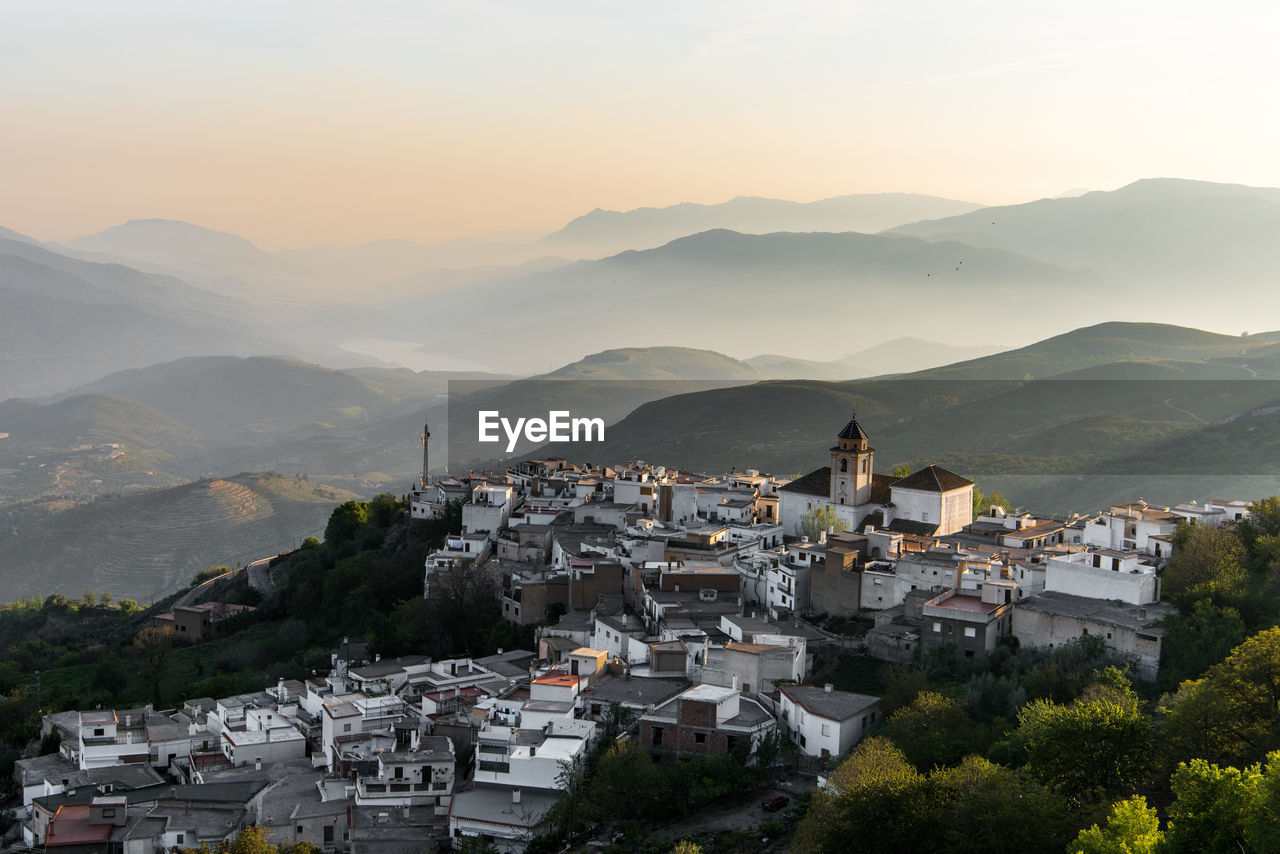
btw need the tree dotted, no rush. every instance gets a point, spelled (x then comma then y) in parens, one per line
(1232, 715)
(901, 685)
(820, 520)
(684, 846)
(623, 783)
(1210, 807)
(901, 470)
(932, 730)
(983, 503)
(1195, 641)
(155, 644)
(1132, 828)
(878, 802)
(1092, 748)
(985, 808)
(1209, 564)
(345, 521)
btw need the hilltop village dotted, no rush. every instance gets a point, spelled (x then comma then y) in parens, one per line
(680, 612)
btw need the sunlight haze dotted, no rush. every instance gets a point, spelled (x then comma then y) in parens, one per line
(299, 124)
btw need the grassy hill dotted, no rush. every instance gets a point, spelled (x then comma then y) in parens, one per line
(147, 544)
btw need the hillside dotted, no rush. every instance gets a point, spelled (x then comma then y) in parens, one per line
(654, 363)
(175, 244)
(771, 366)
(1106, 343)
(606, 232)
(94, 418)
(1165, 231)
(1061, 442)
(906, 355)
(64, 321)
(145, 545)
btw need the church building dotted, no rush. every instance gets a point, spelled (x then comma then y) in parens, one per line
(930, 502)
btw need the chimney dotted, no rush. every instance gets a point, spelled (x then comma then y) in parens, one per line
(257, 764)
(828, 687)
(515, 794)
(736, 684)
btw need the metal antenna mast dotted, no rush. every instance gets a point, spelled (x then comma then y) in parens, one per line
(426, 436)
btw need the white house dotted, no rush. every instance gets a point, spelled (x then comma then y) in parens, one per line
(1135, 526)
(822, 721)
(1103, 574)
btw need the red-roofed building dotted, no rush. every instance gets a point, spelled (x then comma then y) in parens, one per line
(87, 828)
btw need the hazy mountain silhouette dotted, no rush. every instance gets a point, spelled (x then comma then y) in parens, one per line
(904, 355)
(606, 232)
(64, 321)
(711, 288)
(1163, 231)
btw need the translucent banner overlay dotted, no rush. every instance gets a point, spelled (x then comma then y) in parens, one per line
(1186, 432)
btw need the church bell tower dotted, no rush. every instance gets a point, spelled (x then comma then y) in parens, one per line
(851, 465)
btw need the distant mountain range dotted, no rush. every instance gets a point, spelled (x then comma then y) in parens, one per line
(602, 232)
(1075, 420)
(1081, 419)
(1153, 232)
(998, 276)
(64, 321)
(727, 291)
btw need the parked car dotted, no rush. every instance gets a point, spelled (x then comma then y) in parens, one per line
(774, 802)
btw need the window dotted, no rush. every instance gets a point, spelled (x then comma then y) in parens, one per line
(699, 738)
(844, 465)
(181, 838)
(657, 736)
(826, 729)
(937, 627)
(109, 813)
(328, 833)
(970, 632)
(299, 831)
(346, 727)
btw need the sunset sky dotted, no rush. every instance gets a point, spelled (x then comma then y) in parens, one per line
(316, 122)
